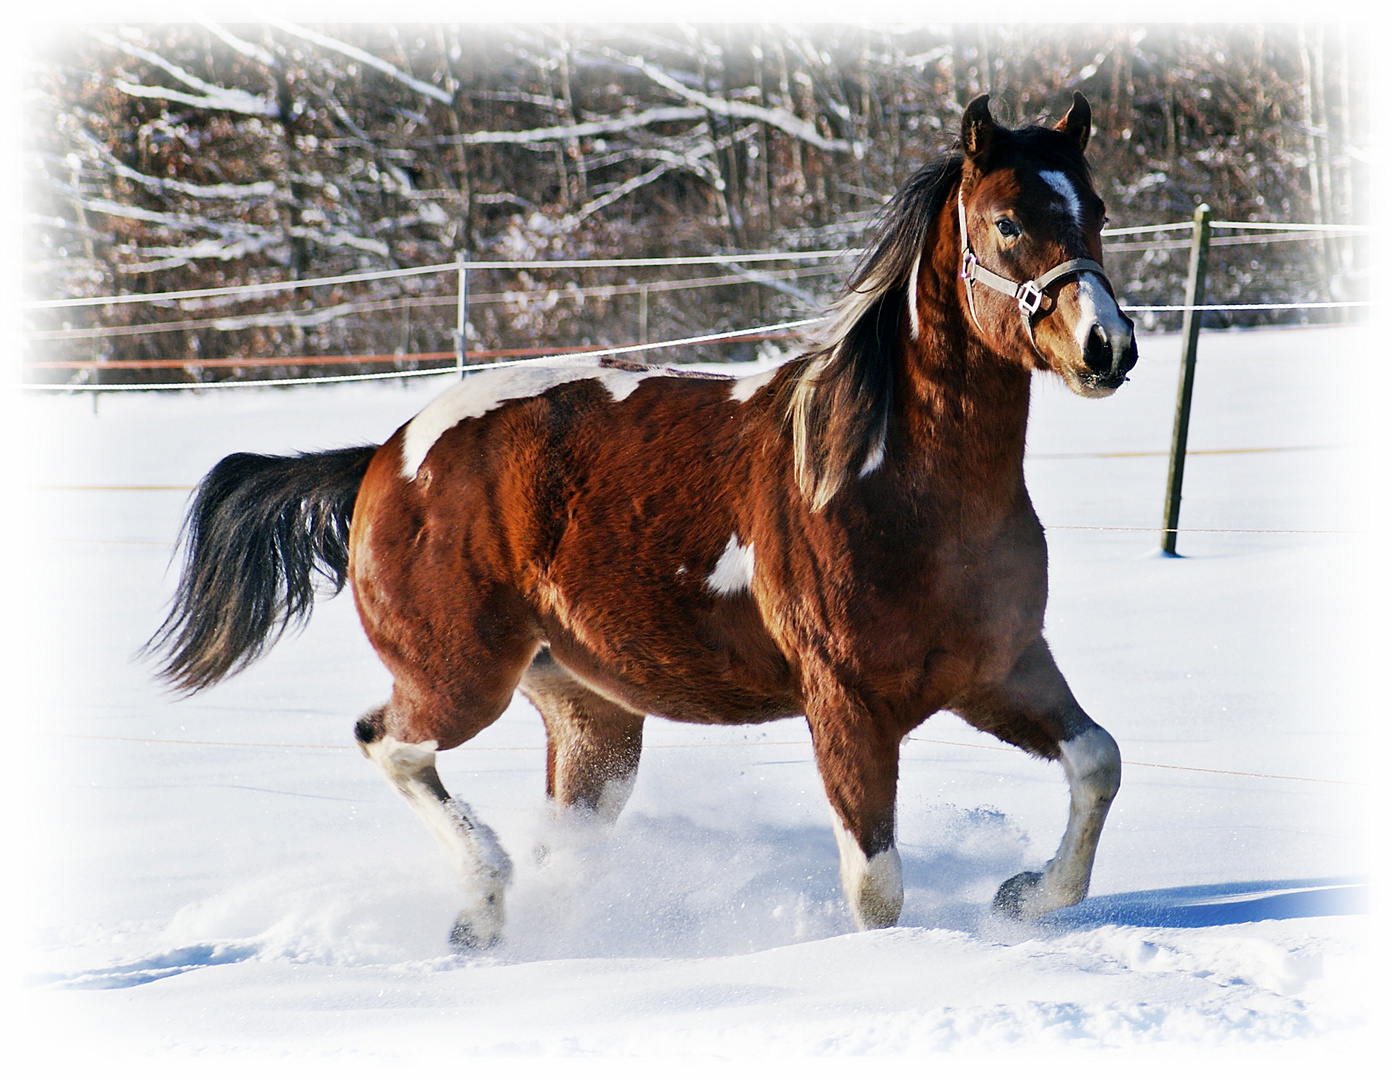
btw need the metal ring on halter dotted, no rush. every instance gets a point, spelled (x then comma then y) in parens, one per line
(1030, 296)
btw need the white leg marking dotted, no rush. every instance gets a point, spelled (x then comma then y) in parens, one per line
(483, 867)
(745, 388)
(735, 571)
(874, 887)
(1092, 763)
(484, 391)
(1059, 182)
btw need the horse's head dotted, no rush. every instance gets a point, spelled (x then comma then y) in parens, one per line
(1031, 250)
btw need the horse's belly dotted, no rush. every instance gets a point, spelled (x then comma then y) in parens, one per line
(702, 665)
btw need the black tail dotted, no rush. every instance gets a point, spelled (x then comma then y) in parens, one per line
(257, 533)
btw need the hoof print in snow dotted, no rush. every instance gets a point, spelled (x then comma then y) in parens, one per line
(1014, 894)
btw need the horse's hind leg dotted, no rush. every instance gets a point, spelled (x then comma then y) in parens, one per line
(1034, 709)
(482, 865)
(592, 745)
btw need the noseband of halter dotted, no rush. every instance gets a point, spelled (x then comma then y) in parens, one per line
(1027, 294)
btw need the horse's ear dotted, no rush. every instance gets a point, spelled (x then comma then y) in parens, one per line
(978, 129)
(1077, 122)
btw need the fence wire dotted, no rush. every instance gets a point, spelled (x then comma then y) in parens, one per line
(829, 260)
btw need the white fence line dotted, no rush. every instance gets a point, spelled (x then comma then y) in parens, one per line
(1286, 231)
(601, 264)
(440, 268)
(582, 355)
(453, 369)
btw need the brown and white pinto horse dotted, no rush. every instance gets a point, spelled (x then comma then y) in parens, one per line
(846, 538)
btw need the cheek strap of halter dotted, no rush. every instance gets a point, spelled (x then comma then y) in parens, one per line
(1027, 294)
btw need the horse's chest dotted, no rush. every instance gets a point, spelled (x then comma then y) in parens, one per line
(936, 609)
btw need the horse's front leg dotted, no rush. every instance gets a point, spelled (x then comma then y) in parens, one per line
(1034, 709)
(858, 757)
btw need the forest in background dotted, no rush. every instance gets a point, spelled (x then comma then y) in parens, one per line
(172, 157)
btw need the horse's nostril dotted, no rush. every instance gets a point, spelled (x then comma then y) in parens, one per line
(1097, 351)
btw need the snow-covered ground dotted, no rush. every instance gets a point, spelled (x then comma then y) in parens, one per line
(224, 880)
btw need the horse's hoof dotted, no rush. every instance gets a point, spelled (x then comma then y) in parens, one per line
(1014, 897)
(479, 927)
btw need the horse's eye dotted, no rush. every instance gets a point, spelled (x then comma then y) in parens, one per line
(1007, 228)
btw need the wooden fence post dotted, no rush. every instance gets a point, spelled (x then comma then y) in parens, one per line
(461, 344)
(1189, 342)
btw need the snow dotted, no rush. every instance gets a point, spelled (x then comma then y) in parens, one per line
(222, 881)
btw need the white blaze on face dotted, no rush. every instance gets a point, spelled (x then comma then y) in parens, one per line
(1064, 186)
(1095, 304)
(485, 391)
(1097, 308)
(734, 572)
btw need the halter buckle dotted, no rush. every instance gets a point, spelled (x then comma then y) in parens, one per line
(1030, 296)
(969, 264)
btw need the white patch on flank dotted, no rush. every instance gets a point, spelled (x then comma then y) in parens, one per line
(735, 570)
(484, 391)
(745, 388)
(873, 886)
(874, 459)
(1064, 186)
(913, 298)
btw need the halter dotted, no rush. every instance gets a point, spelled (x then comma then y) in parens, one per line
(1027, 294)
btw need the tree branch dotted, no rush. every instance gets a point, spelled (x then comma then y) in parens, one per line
(363, 57)
(779, 118)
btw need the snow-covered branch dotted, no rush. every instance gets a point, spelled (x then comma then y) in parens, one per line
(626, 188)
(590, 129)
(363, 57)
(248, 49)
(778, 118)
(262, 189)
(219, 98)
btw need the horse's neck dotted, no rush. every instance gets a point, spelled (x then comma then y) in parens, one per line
(964, 413)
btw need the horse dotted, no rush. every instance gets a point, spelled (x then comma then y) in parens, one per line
(845, 538)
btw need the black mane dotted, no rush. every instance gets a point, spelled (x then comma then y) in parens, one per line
(839, 404)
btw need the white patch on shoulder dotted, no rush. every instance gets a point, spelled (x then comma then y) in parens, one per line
(735, 571)
(1059, 182)
(745, 388)
(484, 391)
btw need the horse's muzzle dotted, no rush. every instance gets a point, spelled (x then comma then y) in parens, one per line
(1109, 351)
